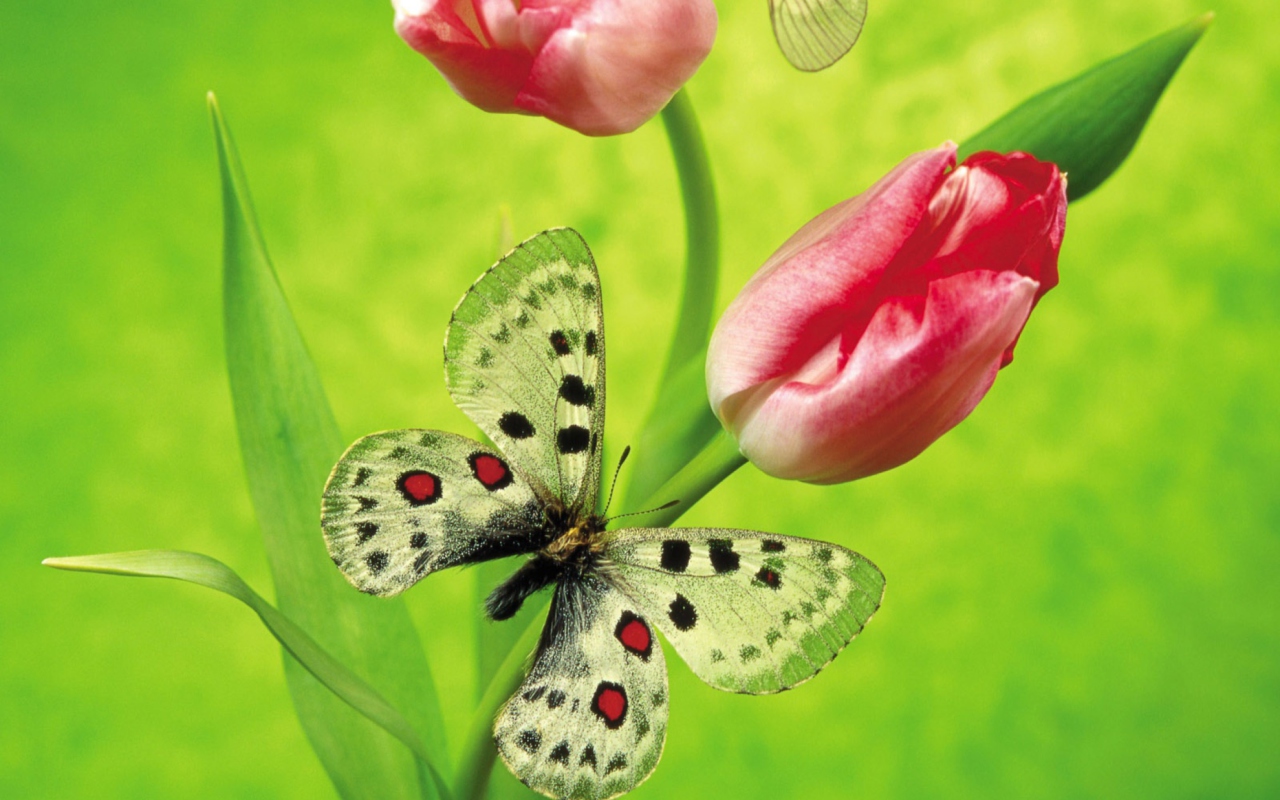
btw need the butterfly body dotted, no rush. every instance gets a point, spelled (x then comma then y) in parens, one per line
(572, 553)
(748, 611)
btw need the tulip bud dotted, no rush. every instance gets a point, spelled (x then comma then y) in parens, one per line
(879, 325)
(598, 66)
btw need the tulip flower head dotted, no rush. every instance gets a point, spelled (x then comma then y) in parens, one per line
(880, 324)
(600, 67)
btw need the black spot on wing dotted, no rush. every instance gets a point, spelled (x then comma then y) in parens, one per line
(529, 741)
(573, 439)
(515, 425)
(769, 578)
(418, 540)
(363, 474)
(675, 555)
(560, 753)
(588, 757)
(555, 699)
(366, 530)
(591, 343)
(682, 613)
(559, 343)
(723, 559)
(376, 561)
(573, 390)
(618, 762)
(772, 546)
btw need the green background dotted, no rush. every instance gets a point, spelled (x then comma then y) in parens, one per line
(1082, 596)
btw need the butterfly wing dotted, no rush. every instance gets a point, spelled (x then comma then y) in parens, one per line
(400, 505)
(814, 34)
(749, 612)
(590, 719)
(524, 359)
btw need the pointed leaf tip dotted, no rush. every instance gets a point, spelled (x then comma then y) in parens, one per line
(1089, 124)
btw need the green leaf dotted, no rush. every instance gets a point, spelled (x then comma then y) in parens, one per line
(290, 442)
(213, 574)
(1088, 125)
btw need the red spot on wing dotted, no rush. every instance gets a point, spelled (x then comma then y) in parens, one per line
(635, 636)
(490, 471)
(610, 704)
(420, 486)
(613, 704)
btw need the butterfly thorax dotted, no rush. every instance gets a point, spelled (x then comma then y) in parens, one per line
(571, 552)
(578, 544)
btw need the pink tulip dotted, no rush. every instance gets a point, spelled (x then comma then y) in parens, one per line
(598, 66)
(879, 325)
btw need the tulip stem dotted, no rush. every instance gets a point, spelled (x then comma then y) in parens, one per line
(680, 422)
(475, 763)
(702, 232)
(719, 459)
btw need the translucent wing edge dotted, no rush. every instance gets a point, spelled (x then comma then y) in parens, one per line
(799, 39)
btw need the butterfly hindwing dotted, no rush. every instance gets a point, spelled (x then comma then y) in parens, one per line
(590, 719)
(814, 34)
(749, 612)
(400, 505)
(524, 359)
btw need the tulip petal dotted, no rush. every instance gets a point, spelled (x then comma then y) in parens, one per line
(617, 64)
(920, 367)
(485, 77)
(805, 293)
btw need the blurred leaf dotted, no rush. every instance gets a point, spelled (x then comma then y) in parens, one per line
(680, 421)
(1088, 125)
(213, 574)
(290, 442)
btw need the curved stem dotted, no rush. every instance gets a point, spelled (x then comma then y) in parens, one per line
(678, 425)
(476, 760)
(702, 232)
(719, 459)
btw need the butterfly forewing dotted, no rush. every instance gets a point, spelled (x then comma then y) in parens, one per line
(749, 612)
(524, 359)
(590, 719)
(402, 504)
(814, 34)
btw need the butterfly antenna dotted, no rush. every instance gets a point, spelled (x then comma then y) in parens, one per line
(662, 507)
(626, 451)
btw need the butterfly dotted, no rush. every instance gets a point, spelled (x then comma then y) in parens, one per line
(814, 34)
(749, 612)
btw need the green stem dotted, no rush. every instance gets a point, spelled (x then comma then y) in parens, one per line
(702, 232)
(719, 459)
(476, 760)
(678, 425)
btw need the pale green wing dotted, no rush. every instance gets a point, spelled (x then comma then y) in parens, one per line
(814, 34)
(590, 719)
(524, 359)
(400, 505)
(749, 612)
